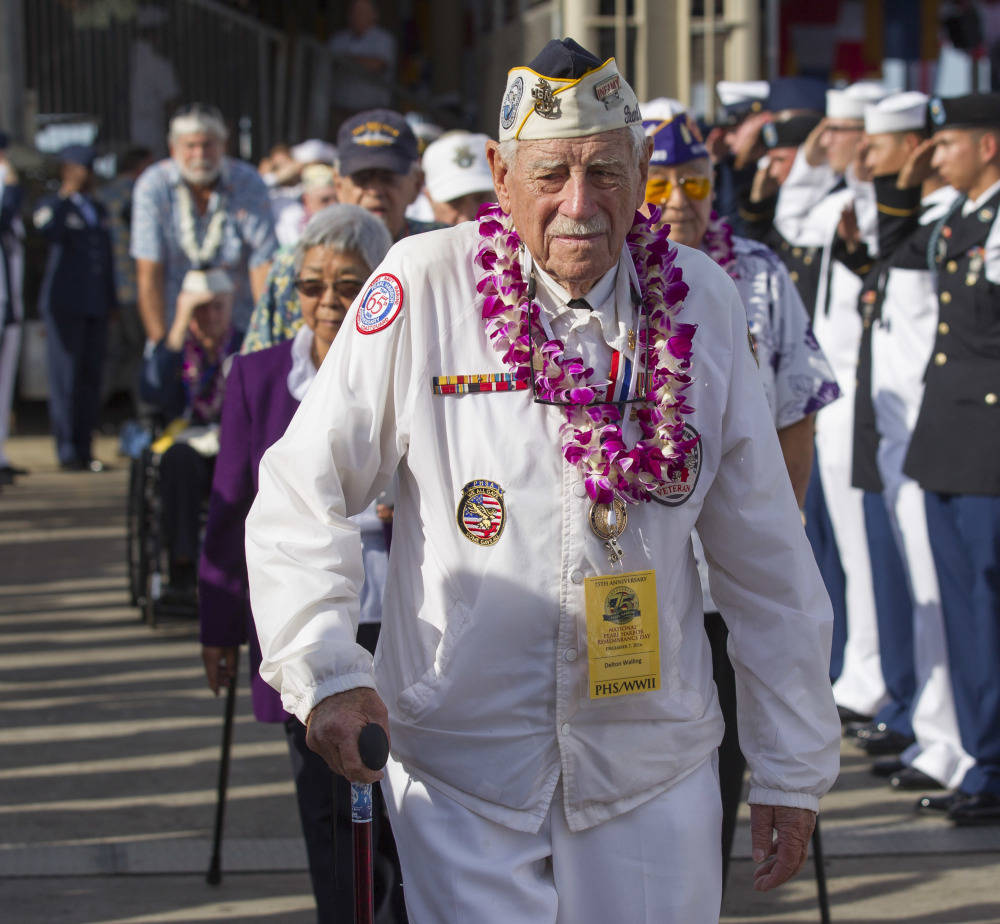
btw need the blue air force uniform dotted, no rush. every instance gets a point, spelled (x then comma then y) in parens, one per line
(76, 299)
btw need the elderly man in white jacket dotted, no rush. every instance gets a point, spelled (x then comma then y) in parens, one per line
(561, 396)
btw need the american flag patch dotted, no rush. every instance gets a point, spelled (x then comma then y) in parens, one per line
(469, 384)
(481, 512)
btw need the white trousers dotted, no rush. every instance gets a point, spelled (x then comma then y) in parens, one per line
(860, 686)
(657, 864)
(938, 751)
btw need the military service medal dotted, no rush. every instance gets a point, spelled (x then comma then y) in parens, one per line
(609, 530)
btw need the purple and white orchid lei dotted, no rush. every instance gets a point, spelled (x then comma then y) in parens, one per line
(592, 434)
(718, 242)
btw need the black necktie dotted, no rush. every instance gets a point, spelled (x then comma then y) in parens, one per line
(578, 303)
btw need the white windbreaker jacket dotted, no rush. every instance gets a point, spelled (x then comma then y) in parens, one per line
(482, 660)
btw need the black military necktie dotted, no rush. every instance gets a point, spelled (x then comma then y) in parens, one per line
(578, 303)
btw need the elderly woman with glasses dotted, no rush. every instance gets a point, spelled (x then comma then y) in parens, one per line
(333, 260)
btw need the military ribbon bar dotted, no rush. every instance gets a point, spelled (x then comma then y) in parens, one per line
(470, 384)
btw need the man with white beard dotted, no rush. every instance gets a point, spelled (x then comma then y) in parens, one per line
(199, 209)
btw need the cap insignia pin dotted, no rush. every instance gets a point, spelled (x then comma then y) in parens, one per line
(607, 92)
(511, 101)
(547, 106)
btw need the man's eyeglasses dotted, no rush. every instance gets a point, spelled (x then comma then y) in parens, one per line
(347, 289)
(694, 187)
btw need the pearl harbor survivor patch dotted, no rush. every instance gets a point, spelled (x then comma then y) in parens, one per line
(674, 493)
(623, 634)
(380, 304)
(482, 512)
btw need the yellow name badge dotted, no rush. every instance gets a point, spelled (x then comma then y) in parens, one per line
(623, 635)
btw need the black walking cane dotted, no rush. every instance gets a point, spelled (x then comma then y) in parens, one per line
(374, 748)
(824, 899)
(214, 875)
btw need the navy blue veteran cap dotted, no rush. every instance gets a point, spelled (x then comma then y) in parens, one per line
(379, 139)
(977, 110)
(81, 154)
(788, 133)
(797, 93)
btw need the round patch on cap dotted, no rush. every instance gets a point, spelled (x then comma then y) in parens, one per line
(380, 305)
(676, 492)
(936, 109)
(508, 112)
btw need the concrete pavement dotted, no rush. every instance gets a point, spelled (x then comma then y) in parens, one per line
(109, 743)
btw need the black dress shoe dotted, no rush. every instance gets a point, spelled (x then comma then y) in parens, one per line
(943, 803)
(13, 470)
(849, 715)
(863, 729)
(887, 766)
(71, 465)
(912, 778)
(981, 809)
(885, 742)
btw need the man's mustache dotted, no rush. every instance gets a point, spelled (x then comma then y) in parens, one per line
(564, 226)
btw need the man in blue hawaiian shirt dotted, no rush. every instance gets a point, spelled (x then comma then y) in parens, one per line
(195, 210)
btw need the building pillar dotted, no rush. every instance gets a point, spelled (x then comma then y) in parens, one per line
(578, 22)
(663, 49)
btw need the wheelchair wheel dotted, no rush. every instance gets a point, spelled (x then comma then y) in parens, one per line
(136, 535)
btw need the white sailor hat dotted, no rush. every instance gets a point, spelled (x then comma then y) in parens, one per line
(900, 112)
(566, 92)
(455, 165)
(314, 151)
(850, 102)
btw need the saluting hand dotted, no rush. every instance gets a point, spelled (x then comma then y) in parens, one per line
(918, 165)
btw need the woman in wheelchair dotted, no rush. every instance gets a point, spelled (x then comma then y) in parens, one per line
(184, 378)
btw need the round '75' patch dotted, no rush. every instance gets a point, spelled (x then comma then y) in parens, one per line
(380, 304)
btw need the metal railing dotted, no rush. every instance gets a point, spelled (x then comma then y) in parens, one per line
(124, 66)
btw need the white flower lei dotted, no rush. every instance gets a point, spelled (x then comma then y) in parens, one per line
(199, 255)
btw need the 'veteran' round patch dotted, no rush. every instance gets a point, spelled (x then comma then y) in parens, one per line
(380, 304)
(674, 493)
(482, 512)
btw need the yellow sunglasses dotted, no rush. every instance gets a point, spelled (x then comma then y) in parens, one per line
(694, 187)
